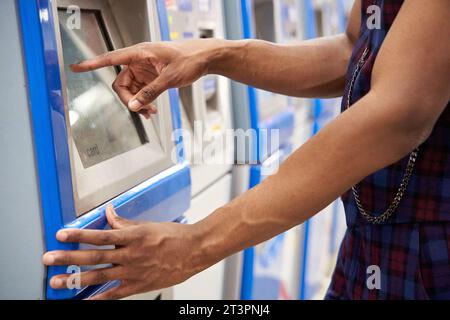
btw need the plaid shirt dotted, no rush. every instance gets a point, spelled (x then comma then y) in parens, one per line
(413, 248)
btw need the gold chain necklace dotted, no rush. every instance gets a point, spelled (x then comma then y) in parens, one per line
(409, 169)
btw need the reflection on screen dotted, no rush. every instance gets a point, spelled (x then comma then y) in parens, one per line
(102, 127)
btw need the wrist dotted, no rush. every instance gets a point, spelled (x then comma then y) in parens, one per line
(208, 240)
(223, 54)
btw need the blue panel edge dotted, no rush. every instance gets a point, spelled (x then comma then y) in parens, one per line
(247, 274)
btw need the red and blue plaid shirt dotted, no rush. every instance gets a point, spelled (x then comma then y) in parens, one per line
(412, 249)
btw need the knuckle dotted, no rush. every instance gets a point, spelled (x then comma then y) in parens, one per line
(104, 237)
(98, 257)
(120, 237)
(73, 235)
(149, 93)
(139, 236)
(125, 257)
(62, 257)
(142, 51)
(105, 55)
(101, 276)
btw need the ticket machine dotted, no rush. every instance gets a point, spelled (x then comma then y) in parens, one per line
(268, 119)
(206, 121)
(322, 234)
(293, 30)
(69, 146)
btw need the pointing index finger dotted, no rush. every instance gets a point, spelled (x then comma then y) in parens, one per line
(109, 59)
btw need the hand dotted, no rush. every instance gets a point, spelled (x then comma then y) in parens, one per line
(152, 68)
(147, 256)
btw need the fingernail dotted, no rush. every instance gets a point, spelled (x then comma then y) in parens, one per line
(134, 105)
(110, 208)
(57, 283)
(48, 259)
(62, 236)
(75, 64)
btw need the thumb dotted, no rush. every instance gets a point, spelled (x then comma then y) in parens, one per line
(148, 94)
(115, 221)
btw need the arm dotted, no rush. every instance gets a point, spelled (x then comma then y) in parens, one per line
(314, 68)
(410, 90)
(310, 69)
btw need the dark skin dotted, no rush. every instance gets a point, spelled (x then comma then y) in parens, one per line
(410, 90)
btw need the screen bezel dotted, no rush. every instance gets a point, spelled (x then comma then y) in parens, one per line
(96, 185)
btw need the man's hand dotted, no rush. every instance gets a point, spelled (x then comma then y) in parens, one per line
(147, 256)
(149, 69)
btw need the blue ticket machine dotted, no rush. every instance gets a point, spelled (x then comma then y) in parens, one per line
(268, 120)
(71, 146)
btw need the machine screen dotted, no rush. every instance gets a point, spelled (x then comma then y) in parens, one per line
(101, 126)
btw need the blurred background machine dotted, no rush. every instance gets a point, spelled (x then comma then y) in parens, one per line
(69, 145)
(207, 122)
(268, 121)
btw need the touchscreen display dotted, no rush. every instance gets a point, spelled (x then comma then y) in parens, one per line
(101, 126)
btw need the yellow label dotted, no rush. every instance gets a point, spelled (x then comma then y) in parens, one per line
(174, 35)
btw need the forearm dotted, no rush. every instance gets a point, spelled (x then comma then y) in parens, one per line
(314, 68)
(358, 143)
